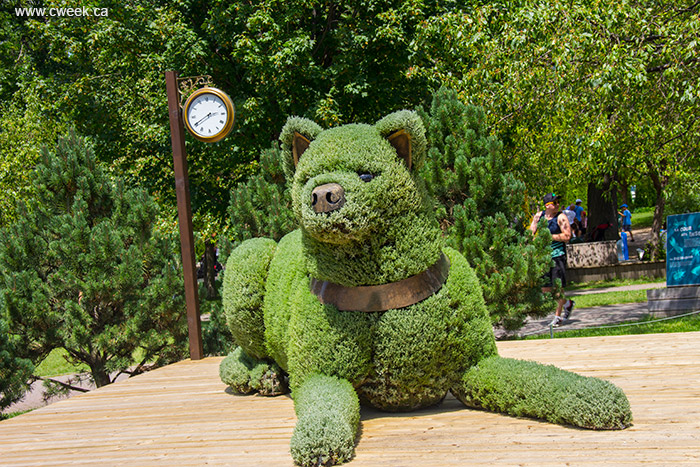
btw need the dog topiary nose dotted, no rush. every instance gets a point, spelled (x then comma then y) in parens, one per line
(328, 197)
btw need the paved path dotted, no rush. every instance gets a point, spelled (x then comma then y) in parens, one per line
(594, 316)
(587, 318)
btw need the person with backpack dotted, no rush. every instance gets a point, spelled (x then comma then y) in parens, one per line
(559, 227)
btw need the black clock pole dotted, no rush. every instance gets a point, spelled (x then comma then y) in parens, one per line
(184, 215)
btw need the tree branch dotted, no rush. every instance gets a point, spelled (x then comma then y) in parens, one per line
(61, 383)
(665, 66)
(691, 8)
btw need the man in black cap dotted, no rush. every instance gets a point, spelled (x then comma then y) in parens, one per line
(559, 227)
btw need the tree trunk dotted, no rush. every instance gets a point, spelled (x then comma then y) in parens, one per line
(210, 270)
(660, 184)
(602, 208)
(99, 373)
(625, 191)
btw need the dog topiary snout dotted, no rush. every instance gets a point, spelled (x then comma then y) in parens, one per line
(327, 198)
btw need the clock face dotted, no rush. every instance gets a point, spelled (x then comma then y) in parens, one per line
(207, 115)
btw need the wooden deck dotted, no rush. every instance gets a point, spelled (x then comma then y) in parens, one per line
(183, 415)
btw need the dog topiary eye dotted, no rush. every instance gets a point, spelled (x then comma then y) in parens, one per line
(366, 177)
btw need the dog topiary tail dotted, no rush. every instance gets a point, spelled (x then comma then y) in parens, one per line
(530, 389)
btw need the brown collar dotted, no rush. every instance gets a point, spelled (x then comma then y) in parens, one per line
(384, 297)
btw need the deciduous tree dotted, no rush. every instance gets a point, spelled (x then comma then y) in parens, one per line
(579, 89)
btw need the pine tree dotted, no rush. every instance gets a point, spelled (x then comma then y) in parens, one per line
(481, 208)
(15, 372)
(83, 269)
(262, 206)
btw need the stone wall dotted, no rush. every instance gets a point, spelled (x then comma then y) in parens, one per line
(626, 270)
(586, 255)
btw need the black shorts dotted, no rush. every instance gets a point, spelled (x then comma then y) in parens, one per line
(557, 272)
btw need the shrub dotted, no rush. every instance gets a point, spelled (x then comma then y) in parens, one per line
(247, 375)
(480, 206)
(84, 269)
(244, 287)
(261, 206)
(15, 372)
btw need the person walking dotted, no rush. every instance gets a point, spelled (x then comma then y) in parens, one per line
(580, 216)
(626, 216)
(559, 227)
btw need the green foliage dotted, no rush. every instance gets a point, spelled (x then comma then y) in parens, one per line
(301, 334)
(480, 206)
(216, 336)
(83, 268)
(523, 388)
(328, 413)
(15, 371)
(684, 196)
(577, 89)
(244, 288)
(261, 206)
(331, 62)
(384, 231)
(23, 131)
(246, 375)
(421, 351)
(307, 128)
(335, 62)
(286, 275)
(382, 220)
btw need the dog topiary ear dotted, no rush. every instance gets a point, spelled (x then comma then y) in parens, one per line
(296, 136)
(405, 132)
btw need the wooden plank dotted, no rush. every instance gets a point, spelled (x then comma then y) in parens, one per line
(183, 415)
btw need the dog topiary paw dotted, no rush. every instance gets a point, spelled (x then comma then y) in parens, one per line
(328, 413)
(246, 375)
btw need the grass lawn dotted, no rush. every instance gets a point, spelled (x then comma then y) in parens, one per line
(55, 365)
(10, 415)
(610, 298)
(611, 283)
(641, 219)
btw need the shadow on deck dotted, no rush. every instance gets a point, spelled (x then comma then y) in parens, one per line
(183, 415)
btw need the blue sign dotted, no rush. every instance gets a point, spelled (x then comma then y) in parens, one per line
(683, 250)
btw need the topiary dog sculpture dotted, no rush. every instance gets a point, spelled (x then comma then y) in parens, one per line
(364, 303)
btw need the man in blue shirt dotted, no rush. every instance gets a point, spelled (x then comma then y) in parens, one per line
(580, 216)
(626, 221)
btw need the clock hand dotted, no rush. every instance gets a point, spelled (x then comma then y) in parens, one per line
(210, 114)
(203, 118)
